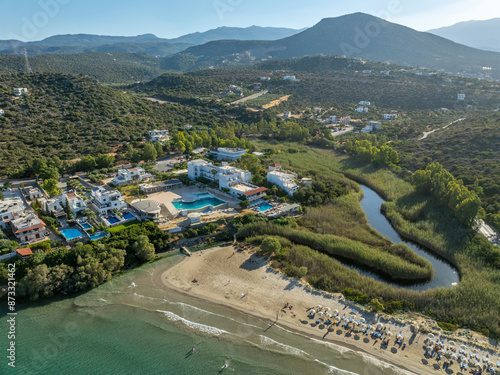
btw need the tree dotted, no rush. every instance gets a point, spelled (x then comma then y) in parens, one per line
(143, 249)
(49, 173)
(159, 149)
(50, 186)
(180, 146)
(149, 152)
(105, 161)
(271, 245)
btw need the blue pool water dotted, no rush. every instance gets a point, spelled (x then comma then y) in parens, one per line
(265, 206)
(128, 216)
(200, 203)
(71, 233)
(86, 226)
(112, 220)
(97, 236)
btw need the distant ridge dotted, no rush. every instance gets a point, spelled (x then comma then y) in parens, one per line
(478, 34)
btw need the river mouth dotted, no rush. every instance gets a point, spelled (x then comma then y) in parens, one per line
(445, 274)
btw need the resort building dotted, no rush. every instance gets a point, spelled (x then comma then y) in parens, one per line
(223, 153)
(201, 168)
(128, 176)
(147, 209)
(283, 210)
(10, 209)
(284, 180)
(159, 135)
(230, 176)
(106, 201)
(160, 186)
(256, 196)
(20, 91)
(28, 228)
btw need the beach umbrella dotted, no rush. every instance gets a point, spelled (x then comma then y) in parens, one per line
(389, 333)
(430, 336)
(327, 309)
(362, 320)
(335, 311)
(320, 314)
(379, 326)
(452, 343)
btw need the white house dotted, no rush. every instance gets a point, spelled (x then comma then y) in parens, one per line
(390, 116)
(20, 91)
(265, 78)
(28, 228)
(367, 72)
(33, 193)
(55, 205)
(10, 209)
(331, 120)
(159, 135)
(76, 203)
(361, 109)
(223, 153)
(364, 102)
(188, 126)
(128, 176)
(367, 129)
(289, 78)
(2, 112)
(105, 201)
(284, 180)
(461, 96)
(375, 125)
(286, 114)
(345, 120)
(274, 167)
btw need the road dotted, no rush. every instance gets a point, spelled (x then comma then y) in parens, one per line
(250, 97)
(342, 131)
(426, 134)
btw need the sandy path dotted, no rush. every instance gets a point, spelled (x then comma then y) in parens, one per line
(243, 281)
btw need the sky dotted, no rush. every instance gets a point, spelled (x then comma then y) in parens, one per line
(30, 20)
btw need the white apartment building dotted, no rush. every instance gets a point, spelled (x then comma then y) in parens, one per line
(76, 203)
(236, 180)
(128, 176)
(201, 168)
(10, 209)
(284, 180)
(224, 153)
(159, 135)
(230, 176)
(106, 201)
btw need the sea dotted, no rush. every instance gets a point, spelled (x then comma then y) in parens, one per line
(135, 325)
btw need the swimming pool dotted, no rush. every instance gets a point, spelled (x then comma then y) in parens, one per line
(112, 219)
(128, 216)
(197, 204)
(97, 236)
(265, 206)
(71, 233)
(86, 226)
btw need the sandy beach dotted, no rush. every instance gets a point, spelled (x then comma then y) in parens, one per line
(244, 281)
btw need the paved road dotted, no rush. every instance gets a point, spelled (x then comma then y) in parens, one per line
(488, 232)
(342, 131)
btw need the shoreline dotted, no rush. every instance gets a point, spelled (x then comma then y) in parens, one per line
(179, 279)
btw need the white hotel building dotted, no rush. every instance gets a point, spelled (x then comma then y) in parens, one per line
(223, 153)
(284, 180)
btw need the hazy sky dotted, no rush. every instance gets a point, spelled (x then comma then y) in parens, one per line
(38, 19)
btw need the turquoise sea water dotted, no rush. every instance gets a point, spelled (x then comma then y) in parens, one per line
(200, 203)
(134, 325)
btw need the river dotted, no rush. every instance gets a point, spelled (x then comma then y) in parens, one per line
(445, 274)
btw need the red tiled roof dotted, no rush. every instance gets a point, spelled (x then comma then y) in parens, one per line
(30, 228)
(256, 191)
(70, 195)
(24, 251)
(274, 165)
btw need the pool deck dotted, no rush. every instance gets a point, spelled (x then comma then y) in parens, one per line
(185, 193)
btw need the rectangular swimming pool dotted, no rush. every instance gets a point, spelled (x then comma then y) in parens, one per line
(264, 207)
(97, 236)
(128, 216)
(86, 226)
(71, 233)
(112, 219)
(197, 204)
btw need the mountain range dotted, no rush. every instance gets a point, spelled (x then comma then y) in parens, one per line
(147, 43)
(478, 34)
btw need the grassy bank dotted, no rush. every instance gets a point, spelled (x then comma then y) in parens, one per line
(473, 303)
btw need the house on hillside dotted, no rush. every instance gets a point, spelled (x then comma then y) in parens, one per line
(10, 209)
(289, 78)
(128, 176)
(284, 180)
(24, 253)
(33, 193)
(390, 116)
(461, 96)
(159, 135)
(364, 102)
(105, 201)
(20, 91)
(224, 153)
(362, 109)
(2, 112)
